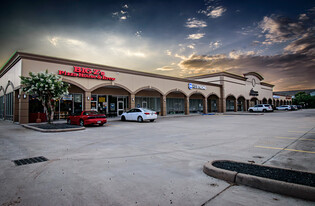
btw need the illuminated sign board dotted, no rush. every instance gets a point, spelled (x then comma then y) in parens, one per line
(88, 73)
(195, 86)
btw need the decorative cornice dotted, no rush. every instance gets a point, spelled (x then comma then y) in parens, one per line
(23, 55)
(254, 74)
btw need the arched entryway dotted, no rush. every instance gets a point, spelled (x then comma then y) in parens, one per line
(231, 104)
(264, 101)
(253, 101)
(176, 102)
(149, 98)
(277, 103)
(270, 101)
(241, 104)
(111, 100)
(9, 99)
(213, 103)
(281, 102)
(196, 103)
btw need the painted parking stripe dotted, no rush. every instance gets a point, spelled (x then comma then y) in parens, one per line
(295, 138)
(302, 132)
(293, 150)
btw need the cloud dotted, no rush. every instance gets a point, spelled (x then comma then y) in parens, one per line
(280, 29)
(138, 34)
(165, 68)
(168, 52)
(191, 46)
(213, 12)
(293, 68)
(215, 45)
(194, 23)
(196, 36)
(122, 14)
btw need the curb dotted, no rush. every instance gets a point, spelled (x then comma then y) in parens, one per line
(253, 114)
(52, 130)
(270, 185)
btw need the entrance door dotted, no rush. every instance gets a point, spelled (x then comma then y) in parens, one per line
(144, 104)
(120, 108)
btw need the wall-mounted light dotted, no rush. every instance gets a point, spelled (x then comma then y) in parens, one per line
(133, 99)
(19, 96)
(24, 96)
(88, 98)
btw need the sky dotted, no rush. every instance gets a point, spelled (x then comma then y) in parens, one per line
(176, 38)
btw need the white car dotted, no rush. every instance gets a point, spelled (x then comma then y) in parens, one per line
(261, 108)
(139, 114)
(284, 107)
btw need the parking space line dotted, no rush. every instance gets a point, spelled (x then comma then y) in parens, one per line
(301, 132)
(295, 138)
(293, 150)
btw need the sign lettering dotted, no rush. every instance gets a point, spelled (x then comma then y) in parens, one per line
(83, 72)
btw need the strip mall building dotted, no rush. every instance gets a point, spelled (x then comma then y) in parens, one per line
(114, 90)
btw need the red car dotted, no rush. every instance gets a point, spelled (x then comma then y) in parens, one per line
(87, 117)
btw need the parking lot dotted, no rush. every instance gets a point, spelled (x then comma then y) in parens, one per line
(159, 163)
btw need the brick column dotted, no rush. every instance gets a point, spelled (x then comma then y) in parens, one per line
(245, 105)
(23, 108)
(87, 103)
(132, 101)
(163, 105)
(222, 105)
(186, 102)
(235, 105)
(205, 106)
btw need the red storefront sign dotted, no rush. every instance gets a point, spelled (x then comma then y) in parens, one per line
(83, 72)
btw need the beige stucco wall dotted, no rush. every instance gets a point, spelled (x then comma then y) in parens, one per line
(238, 87)
(132, 83)
(12, 75)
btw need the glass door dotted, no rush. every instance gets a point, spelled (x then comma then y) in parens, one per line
(120, 108)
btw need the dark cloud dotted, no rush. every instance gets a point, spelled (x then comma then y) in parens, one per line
(293, 69)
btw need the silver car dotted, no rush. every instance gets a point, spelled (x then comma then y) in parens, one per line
(261, 108)
(284, 107)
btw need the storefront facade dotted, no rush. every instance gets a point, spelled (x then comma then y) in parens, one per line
(112, 90)
(106, 89)
(241, 92)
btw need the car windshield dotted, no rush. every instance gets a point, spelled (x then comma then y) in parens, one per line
(90, 113)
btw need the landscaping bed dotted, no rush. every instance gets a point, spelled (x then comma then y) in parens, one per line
(285, 175)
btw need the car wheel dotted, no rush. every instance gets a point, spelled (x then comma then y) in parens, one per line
(152, 120)
(140, 119)
(101, 124)
(250, 110)
(123, 118)
(264, 110)
(286, 109)
(68, 121)
(81, 122)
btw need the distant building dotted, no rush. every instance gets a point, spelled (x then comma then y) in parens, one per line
(294, 92)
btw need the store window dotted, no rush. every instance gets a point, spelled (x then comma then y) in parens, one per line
(175, 106)
(153, 103)
(195, 105)
(214, 105)
(1, 107)
(230, 105)
(9, 106)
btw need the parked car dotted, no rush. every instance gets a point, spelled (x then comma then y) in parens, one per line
(87, 118)
(139, 114)
(261, 108)
(299, 106)
(284, 107)
(294, 107)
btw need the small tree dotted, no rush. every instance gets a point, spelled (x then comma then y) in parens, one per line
(47, 88)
